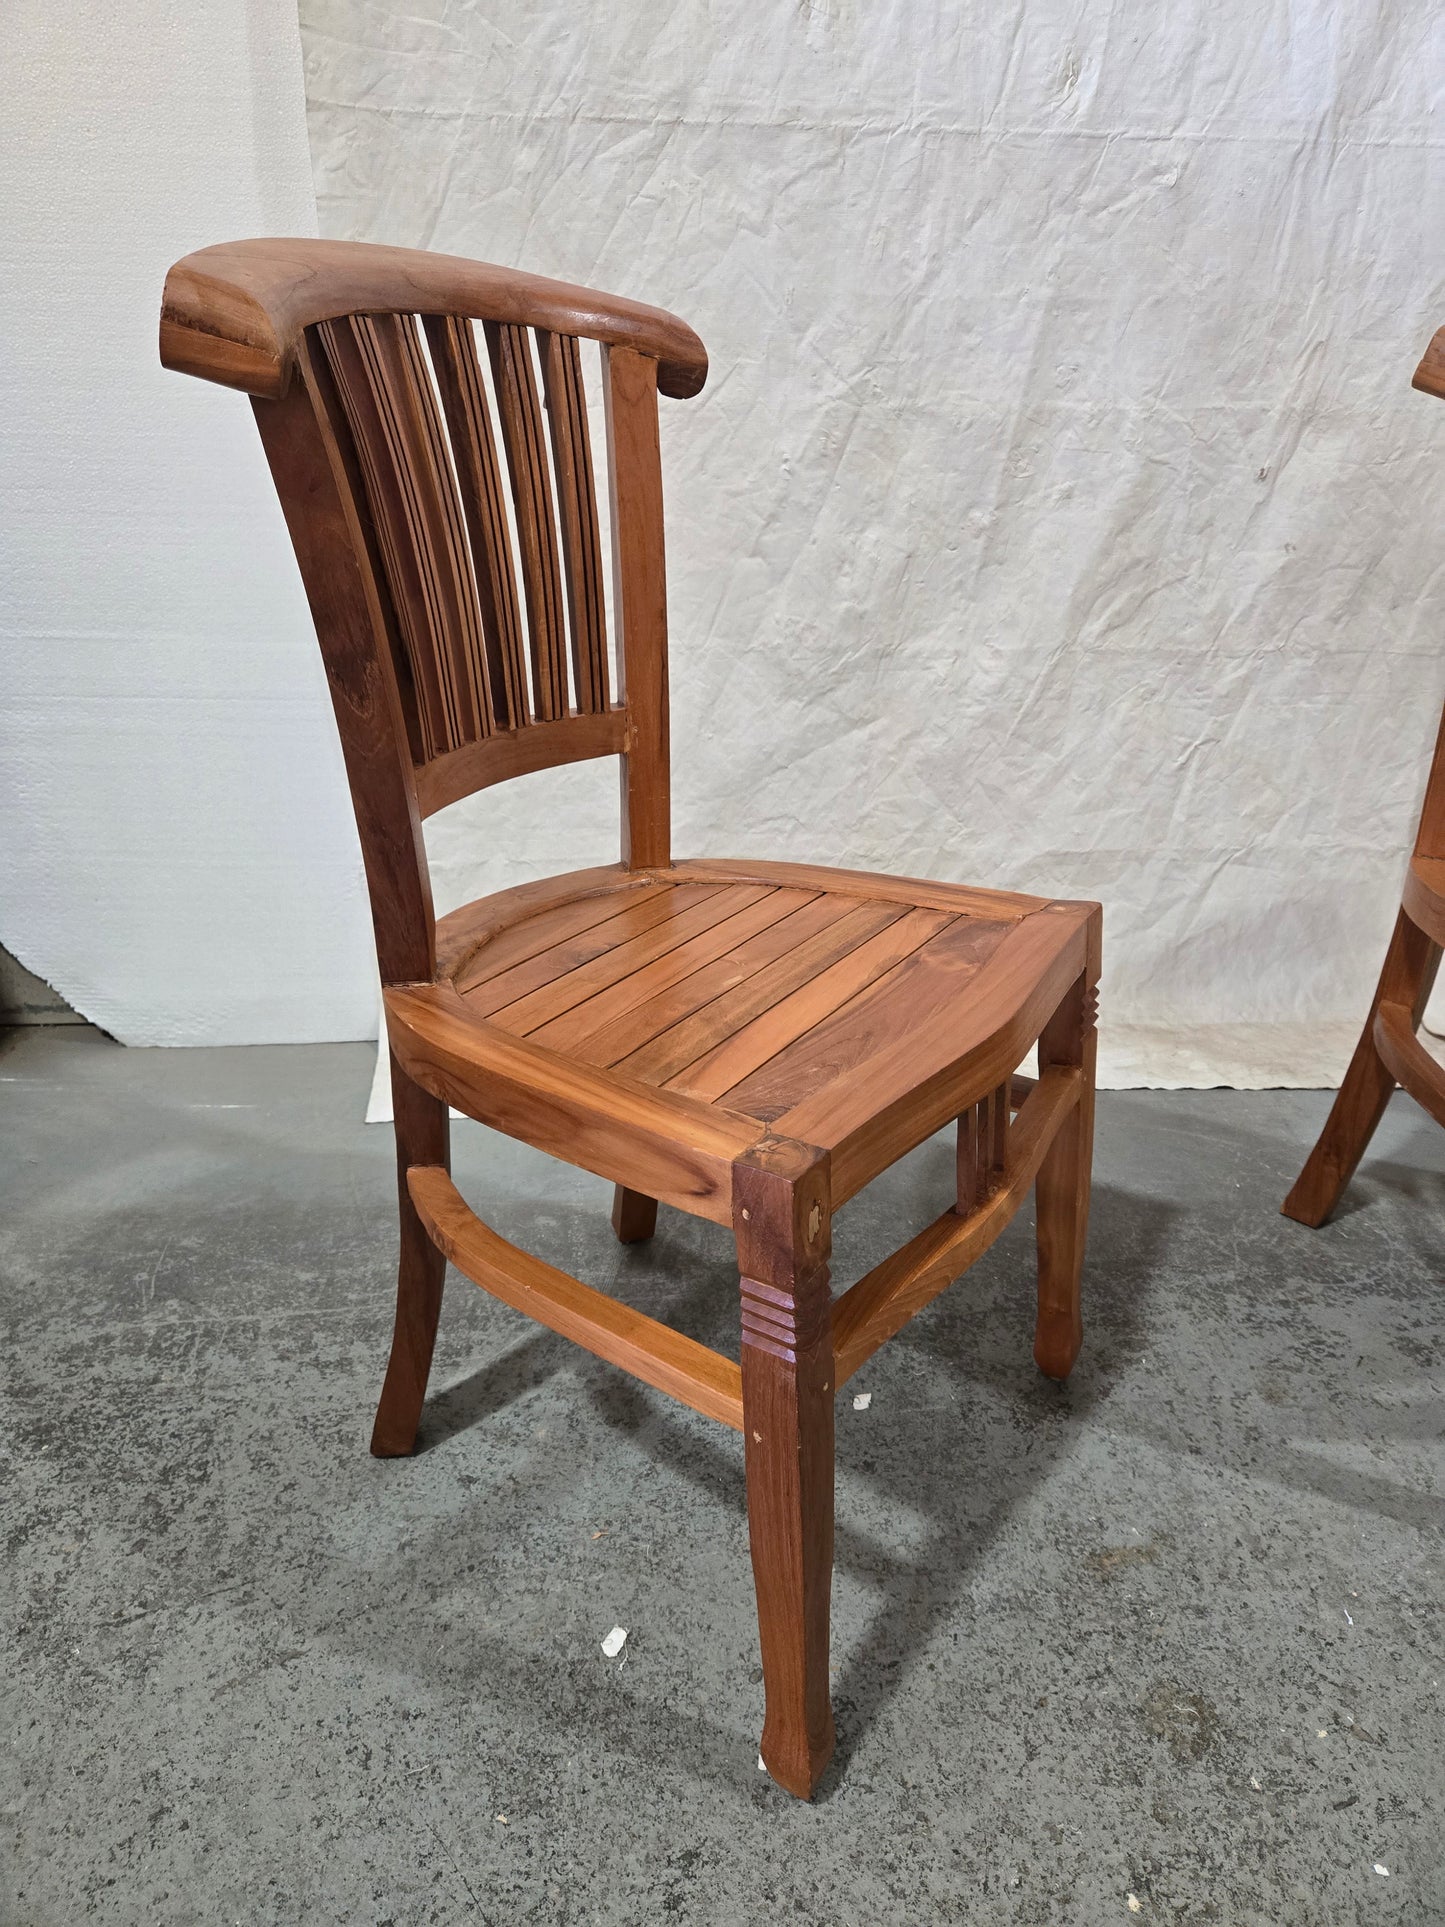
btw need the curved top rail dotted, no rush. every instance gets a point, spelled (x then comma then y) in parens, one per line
(234, 313)
(1430, 375)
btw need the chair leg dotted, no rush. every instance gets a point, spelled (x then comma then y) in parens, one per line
(1407, 978)
(781, 1218)
(634, 1215)
(1061, 1190)
(423, 1136)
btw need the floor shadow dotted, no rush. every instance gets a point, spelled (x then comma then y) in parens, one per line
(485, 1392)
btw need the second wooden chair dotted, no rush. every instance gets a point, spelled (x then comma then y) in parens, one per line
(1389, 1053)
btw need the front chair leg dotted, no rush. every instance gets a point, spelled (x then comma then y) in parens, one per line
(423, 1136)
(1407, 978)
(781, 1218)
(1061, 1190)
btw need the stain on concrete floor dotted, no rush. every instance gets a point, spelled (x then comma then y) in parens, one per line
(1172, 1633)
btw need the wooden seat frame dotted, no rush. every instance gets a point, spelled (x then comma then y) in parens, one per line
(1389, 1054)
(402, 549)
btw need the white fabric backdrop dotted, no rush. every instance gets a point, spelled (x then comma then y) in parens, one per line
(176, 850)
(1058, 513)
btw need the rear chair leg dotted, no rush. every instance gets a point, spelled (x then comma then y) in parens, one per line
(1407, 978)
(781, 1217)
(634, 1215)
(423, 1136)
(1061, 1190)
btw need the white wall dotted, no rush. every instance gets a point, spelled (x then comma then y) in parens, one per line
(176, 850)
(1058, 513)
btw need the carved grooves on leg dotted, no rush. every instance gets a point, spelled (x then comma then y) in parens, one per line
(785, 1321)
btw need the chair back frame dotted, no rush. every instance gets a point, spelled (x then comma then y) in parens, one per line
(375, 414)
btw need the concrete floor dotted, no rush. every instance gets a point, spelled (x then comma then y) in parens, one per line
(1165, 1645)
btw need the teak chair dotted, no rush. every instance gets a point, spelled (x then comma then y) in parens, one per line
(1389, 1052)
(750, 1042)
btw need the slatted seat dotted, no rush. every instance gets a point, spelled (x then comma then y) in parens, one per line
(795, 1000)
(751, 1042)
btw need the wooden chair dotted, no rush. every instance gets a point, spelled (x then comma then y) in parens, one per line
(747, 1041)
(1389, 1052)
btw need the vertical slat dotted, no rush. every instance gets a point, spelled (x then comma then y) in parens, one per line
(392, 413)
(577, 503)
(982, 1149)
(479, 481)
(522, 435)
(634, 468)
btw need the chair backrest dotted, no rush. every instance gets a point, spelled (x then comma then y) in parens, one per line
(1429, 378)
(463, 618)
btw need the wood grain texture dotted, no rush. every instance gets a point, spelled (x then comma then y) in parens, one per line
(480, 484)
(642, 1346)
(1387, 1046)
(423, 1136)
(236, 313)
(638, 995)
(479, 939)
(881, 1303)
(392, 417)
(1424, 896)
(1069, 1044)
(982, 1148)
(658, 1143)
(619, 1036)
(646, 924)
(577, 506)
(885, 986)
(782, 1221)
(1003, 906)
(686, 921)
(748, 1042)
(692, 1039)
(634, 1217)
(1407, 1059)
(639, 601)
(953, 1053)
(497, 759)
(515, 379)
(1411, 965)
(732, 1063)
(318, 495)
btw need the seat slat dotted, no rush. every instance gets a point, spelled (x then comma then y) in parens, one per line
(577, 505)
(653, 1141)
(629, 919)
(672, 1050)
(598, 973)
(731, 1061)
(1002, 906)
(479, 481)
(869, 1017)
(643, 987)
(516, 942)
(942, 1051)
(523, 436)
(618, 1039)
